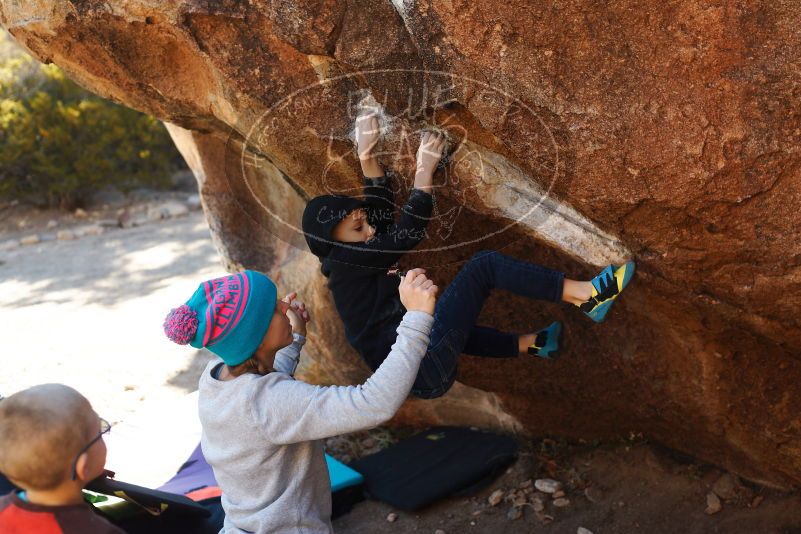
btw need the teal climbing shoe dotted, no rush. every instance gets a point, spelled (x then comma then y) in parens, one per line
(546, 343)
(605, 288)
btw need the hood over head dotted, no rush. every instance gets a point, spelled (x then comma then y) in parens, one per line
(320, 217)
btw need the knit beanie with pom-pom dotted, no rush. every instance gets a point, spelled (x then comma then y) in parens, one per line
(227, 315)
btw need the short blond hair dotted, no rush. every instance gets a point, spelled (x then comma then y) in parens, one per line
(41, 431)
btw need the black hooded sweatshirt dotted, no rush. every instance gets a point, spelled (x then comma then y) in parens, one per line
(365, 297)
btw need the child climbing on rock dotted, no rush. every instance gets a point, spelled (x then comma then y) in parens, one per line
(261, 428)
(358, 242)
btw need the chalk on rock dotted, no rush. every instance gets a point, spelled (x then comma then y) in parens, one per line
(547, 485)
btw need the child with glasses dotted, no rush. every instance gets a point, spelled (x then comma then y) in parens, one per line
(51, 446)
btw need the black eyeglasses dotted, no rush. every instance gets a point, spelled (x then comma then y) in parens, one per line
(105, 427)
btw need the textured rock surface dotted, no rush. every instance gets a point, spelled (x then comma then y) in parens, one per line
(670, 132)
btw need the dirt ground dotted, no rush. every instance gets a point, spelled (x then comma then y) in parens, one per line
(633, 488)
(87, 312)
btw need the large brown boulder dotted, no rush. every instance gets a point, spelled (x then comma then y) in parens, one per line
(583, 133)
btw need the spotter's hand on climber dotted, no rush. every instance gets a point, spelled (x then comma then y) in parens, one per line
(297, 313)
(417, 292)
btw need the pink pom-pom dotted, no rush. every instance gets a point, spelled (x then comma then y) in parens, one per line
(181, 324)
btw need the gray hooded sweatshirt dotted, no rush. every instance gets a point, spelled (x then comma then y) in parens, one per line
(262, 434)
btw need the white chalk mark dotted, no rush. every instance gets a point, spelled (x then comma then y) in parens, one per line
(508, 190)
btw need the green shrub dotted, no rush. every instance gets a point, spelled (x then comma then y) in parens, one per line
(60, 143)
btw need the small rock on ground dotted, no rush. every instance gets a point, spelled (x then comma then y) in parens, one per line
(547, 485)
(561, 502)
(392, 517)
(725, 487)
(582, 530)
(495, 497)
(594, 495)
(193, 202)
(713, 505)
(29, 239)
(89, 229)
(514, 513)
(65, 235)
(519, 499)
(167, 210)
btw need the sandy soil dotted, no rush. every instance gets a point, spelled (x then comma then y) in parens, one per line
(88, 313)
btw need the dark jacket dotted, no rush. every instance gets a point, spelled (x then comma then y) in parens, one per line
(365, 297)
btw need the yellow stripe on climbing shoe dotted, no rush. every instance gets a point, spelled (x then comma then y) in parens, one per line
(620, 275)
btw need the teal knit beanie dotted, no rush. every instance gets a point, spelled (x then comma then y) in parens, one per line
(228, 315)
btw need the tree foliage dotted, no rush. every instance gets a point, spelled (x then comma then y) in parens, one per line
(59, 143)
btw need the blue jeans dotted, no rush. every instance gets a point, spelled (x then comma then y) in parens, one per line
(457, 310)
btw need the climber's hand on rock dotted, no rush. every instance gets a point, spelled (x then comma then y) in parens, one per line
(368, 131)
(432, 144)
(418, 292)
